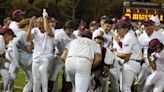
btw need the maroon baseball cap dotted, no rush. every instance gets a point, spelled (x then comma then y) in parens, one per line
(114, 20)
(52, 19)
(123, 25)
(17, 13)
(154, 43)
(125, 18)
(9, 31)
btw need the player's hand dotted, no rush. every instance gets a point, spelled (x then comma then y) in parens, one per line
(105, 71)
(45, 14)
(32, 21)
(116, 37)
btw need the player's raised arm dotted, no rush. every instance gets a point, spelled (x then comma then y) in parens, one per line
(47, 27)
(29, 36)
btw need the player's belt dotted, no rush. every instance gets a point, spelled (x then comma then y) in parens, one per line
(81, 57)
(136, 60)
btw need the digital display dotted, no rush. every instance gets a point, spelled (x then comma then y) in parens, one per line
(137, 14)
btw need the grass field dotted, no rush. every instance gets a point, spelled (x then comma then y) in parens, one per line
(20, 81)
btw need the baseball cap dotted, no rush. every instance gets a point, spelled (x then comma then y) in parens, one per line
(17, 13)
(123, 25)
(154, 43)
(125, 18)
(93, 23)
(87, 34)
(148, 22)
(114, 20)
(104, 17)
(9, 31)
(156, 20)
(51, 19)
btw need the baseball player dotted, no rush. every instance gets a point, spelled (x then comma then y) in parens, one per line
(104, 31)
(139, 29)
(6, 22)
(78, 33)
(103, 19)
(3, 70)
(102, 70)
(62, 37)
(101, 30)
(12, 55)
(18, 57)
(25, 51)
(42, 53)
(93, 26)
(149, 34)
(80, 56)
(17, 15)
(157, 23)
(155, 58)
(144, 39)
(158, 31)
(131, 53)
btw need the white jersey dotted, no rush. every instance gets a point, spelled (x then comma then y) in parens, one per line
(12, 53)
(116, 45)
(144, 39)
(2, 44)
(111, 59)
(158, 35)
(107, 36)
(14, 26)
(75, 34)
(83, 47)
(161, 30)
(61, 39)
(160, 61)
(130, 44)
(138, 32)
(43, 45)
(21, 36)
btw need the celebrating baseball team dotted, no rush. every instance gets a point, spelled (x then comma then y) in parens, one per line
(110, 55)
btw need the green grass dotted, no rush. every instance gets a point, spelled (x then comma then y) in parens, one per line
(21, 79)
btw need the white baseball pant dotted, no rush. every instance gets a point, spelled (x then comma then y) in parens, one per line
(40, 75)
(143, 74)
(26, 65)
(155, 82)
(13, 71)
(128, 76)
(5, 79)
(5, 76)
(79, 71)
(29, 84)
(114, 79)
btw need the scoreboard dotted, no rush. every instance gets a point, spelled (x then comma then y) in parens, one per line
(137, 12)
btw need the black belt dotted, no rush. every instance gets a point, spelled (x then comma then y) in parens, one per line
(139, 61)
(136, 60)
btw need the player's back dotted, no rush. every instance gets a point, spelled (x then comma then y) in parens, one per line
(82, 47)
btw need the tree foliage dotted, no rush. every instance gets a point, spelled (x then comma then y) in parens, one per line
(64, 10)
